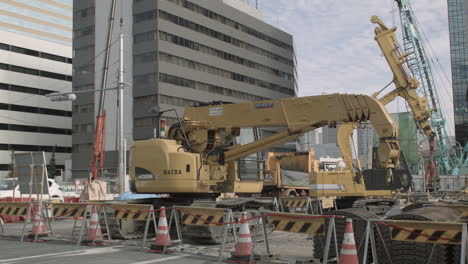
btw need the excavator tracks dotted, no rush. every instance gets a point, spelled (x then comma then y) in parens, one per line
(410, 252)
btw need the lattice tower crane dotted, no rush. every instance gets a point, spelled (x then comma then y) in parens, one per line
(420, 66)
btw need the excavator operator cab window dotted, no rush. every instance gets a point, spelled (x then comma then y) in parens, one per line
(250, 169)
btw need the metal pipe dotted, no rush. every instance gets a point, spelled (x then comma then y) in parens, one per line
(120, 120)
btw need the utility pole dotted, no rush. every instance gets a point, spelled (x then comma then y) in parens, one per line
(122, 169)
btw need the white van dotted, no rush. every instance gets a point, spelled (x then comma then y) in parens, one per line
(9, 186)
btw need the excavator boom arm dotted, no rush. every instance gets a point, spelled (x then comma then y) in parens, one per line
(209, 127)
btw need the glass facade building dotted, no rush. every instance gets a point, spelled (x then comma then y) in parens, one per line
(46, 20)
(458, 26)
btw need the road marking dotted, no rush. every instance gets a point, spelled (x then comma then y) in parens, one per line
(159, 260)
(65, 253)
(39, 256)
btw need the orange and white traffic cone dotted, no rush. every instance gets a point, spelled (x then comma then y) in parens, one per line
(39, 229)
(348, 254)
(243, 250)
(162, 234)
(94, 237)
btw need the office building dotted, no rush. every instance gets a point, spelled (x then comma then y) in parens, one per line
(190, 52)
(35, 59)
(184, 53)
(91, 26)
(458, 28)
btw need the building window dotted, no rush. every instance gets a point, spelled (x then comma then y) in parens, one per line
(30, 71)
(24, 89)
(35, 129)
(82, 32)
(218, 53)
(222, 73)
(166, 78)
(151, 35)
(222, 19)
(18, 147)
(35, 53)
(35, 110)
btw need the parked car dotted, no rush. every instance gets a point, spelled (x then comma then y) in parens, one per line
(10, 186)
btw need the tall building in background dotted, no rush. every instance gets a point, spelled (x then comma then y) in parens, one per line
(191, 52)
(35, 59)
(91, 26)
(458, 27)
(185, 53)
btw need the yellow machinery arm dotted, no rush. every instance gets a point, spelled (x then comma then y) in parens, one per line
(405, 84)
(200, 155)
(211, 129)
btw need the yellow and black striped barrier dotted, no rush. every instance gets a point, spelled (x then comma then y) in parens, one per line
(445, 233)
(14, 209)
(295, 201)
(135, 212)
(68, 209)
(202, 216)
(426, 232)
(307, 224)
(298, 223)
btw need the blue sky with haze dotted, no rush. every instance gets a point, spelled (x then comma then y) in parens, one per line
(335, 47)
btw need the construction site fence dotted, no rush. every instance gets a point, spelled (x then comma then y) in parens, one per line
(435, 233)
(287, 222)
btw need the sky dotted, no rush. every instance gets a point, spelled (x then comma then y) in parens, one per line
(335, 46)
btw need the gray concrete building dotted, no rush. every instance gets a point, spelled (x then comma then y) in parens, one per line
(458, 28)
(90, 26)
(35, 59)
(183, 53)
(191, 52)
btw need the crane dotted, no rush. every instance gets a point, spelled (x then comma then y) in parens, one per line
(419, 65)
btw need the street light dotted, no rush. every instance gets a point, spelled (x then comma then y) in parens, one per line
(71, 96)
(57, 97)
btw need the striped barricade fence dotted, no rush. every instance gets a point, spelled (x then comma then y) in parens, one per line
(292, 204)
(19, 209)
(204, 216)
(436, 233)
(75, 211)
(35, 215)
(136, 212)
(302, 224)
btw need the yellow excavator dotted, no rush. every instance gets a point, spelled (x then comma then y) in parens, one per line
(198, 162)
(199, 157)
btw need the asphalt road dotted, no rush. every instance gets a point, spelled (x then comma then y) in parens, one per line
(14, 252)
(62, 248)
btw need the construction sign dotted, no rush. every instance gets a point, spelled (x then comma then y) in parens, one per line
(202, 216)
(426, 232)
(295, 201)
(68, 209)
(135, 212)
(298, 223)
(14, 209)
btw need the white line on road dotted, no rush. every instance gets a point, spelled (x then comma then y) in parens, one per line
(73, 252)
(39, 256)
(159, 260)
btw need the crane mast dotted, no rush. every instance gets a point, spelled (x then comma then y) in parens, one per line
(419, 65)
